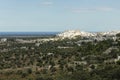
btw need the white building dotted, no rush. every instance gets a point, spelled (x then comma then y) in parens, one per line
(3, 39)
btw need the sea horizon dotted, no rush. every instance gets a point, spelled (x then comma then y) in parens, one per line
(27, 34)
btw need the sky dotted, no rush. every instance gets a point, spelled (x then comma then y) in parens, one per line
(59, 15)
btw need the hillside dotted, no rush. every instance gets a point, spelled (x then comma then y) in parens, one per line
(92, 56)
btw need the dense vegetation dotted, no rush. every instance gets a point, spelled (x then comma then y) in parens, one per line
(60, 60)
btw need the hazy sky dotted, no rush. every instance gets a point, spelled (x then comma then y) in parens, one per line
(59, 15)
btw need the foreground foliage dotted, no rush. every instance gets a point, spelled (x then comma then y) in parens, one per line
(60, 60)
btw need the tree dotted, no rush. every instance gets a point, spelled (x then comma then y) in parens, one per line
(118, 62)
(29, 71)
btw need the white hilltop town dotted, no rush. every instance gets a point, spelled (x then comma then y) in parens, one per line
(74, 33)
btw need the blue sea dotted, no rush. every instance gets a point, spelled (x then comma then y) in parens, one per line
(24, 34)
